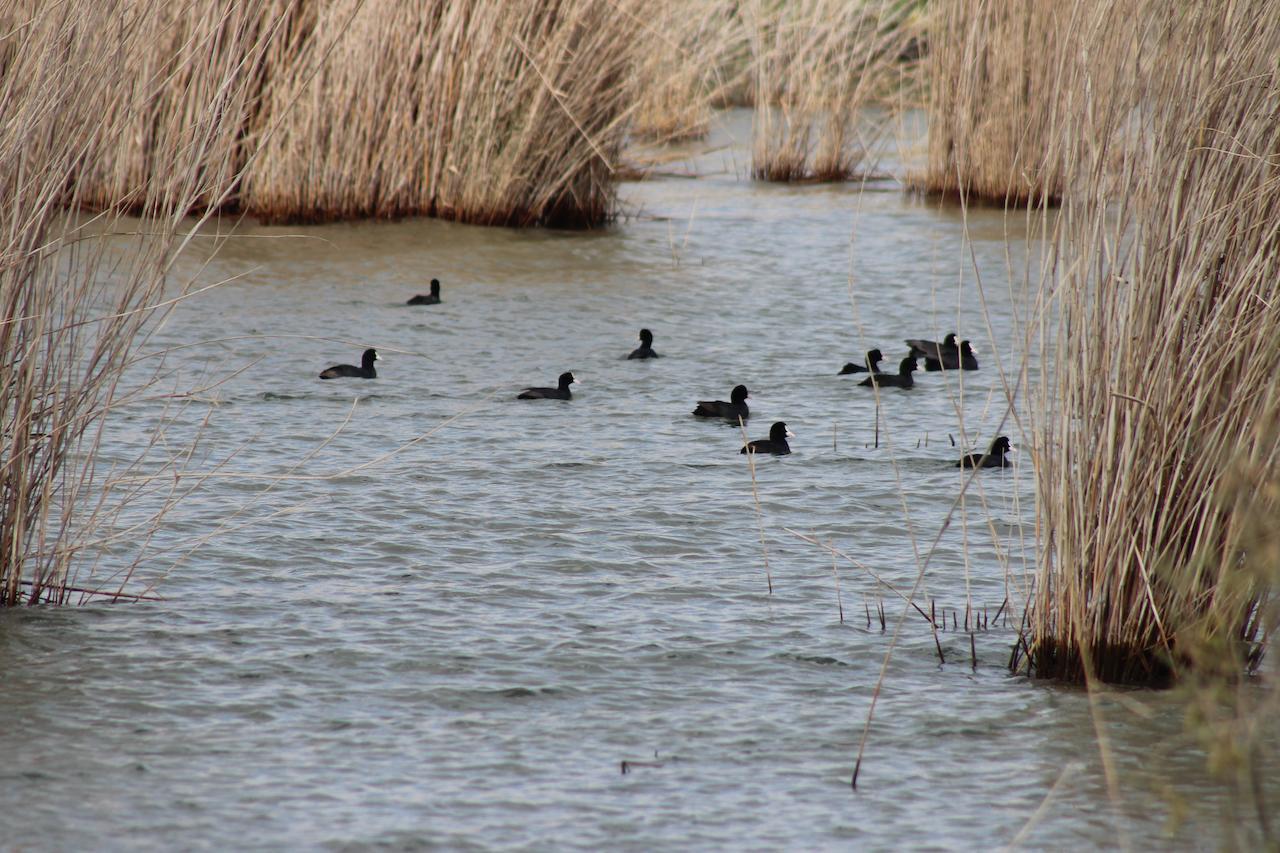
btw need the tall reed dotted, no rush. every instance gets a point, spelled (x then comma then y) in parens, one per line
(75, 301)
(818, 64)
(1157, 451)
(995, 72)
(482, 111)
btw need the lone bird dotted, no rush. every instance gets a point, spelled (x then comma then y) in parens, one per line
(901, 379)
(428, 299)
(874, 357)
(776, 443)
(645, 350)
(364, 371)
(730, 411)
(932, 349)
(993, 458)
(559, 393)
(962, 360)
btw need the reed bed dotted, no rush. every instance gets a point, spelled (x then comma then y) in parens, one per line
(485, 111)
(1157, 447)
(694, 59)
(818, 65)
(76, 297)
(996, 74)
(482, 111)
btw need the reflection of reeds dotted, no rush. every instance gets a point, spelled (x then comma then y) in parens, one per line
(817, 65)
(993, 70)
(1158, 458)
(73, 306)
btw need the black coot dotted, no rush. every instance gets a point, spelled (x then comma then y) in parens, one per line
(729, 411)
(965, 359)
(776, 443)
(874, 357)
(645, 350)
(560, 393)
(993, 458)
(364, 371)
(428, 299)
(932, 349)
(901, 379)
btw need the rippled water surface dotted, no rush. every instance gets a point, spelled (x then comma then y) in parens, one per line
(423, 614)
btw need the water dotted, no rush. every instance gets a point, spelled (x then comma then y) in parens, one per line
(451, 615)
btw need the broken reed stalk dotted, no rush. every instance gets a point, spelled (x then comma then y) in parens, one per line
(1158, 455)
(76, 301)
(755, 494)
(817, 66)
(994, 72)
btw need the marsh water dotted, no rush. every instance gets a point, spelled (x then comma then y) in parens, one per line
(416, 613)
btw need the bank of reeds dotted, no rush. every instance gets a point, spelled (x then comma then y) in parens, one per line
(693, 61)
(1157, 450)
(483, 111)
(76, 301)
(817, 66)
(995, 72)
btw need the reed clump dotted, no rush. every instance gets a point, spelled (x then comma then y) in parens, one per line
(995, 73)
(76, 298)
(483, 111)
(693, 59)
(1157, 453)
(817, 66)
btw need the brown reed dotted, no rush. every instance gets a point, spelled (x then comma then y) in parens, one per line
(995, 74)
(77, 299)
(818, 65)
(1157, 451)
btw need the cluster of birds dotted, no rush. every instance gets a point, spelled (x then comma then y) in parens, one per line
(947, 355)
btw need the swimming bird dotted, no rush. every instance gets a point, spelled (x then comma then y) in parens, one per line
(993, 458)
(559, 393)
(425, 299)
(965, 359)
(901, 379)
(364, 371)
(645, 350)
(729, 411)
(776, 443)
(932, 349)
(874, 357)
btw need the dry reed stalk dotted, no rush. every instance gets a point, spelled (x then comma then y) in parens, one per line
(1157, 453)
(483, 111)
(691, 61)
(995, 74)
(817, 65)
(74, 301)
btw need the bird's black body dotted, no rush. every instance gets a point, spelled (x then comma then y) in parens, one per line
(432, 298)
(993, 458)
(731, 411)
(901, 379)
(874, 357)
(932, 349)
(364, 371)
(964, 359)
(645, 350)
(775, 444)
(559, 393)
